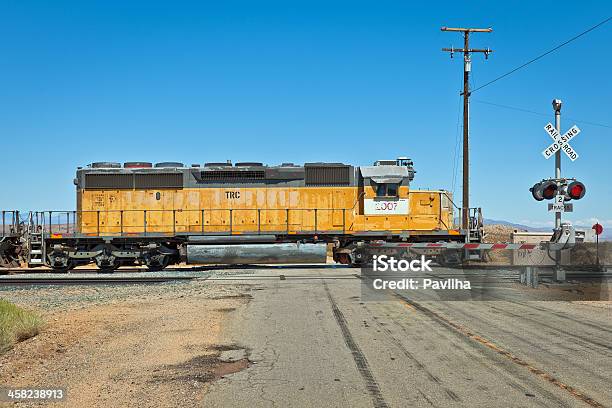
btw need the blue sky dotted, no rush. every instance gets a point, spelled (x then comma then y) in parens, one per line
(302, 81)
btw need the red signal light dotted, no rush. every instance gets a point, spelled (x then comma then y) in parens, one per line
(576, 190)
(549, 191)
(544, 190)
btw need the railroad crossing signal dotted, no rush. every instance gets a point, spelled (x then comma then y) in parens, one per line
(561, 142)
(575, 190)
(545, 189)
(559, 190)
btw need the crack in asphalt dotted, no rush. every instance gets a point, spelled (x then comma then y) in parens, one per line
(487, 363)
(556, 328)
(515, 359)
(360, 360)
(452, 395)
(536, 345)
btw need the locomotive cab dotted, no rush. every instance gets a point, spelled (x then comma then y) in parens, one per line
(386, 188)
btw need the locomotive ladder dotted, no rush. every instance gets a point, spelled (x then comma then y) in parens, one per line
(36, 241)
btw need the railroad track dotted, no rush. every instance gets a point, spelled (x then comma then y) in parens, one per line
(186, 269)
(92, 280)
(14, 271)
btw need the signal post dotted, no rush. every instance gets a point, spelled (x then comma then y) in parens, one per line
(557, 107)
(558, 188)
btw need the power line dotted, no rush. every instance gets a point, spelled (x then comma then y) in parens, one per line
(509, 107)
(540, 113)
(543, 55)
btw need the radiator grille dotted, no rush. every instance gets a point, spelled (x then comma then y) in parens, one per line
(328, 175)
(158, 180)
(109, 181)
(233, 176)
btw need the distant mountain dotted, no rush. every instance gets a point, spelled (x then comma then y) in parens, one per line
(517, 226)
(489, 221)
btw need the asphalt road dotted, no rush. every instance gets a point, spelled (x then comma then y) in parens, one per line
(314, 341)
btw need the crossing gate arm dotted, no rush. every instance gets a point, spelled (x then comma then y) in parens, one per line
(471, 246)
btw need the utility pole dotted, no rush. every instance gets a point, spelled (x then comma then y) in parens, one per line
(467, 67)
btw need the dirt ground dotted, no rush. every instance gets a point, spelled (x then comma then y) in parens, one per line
(148, 346)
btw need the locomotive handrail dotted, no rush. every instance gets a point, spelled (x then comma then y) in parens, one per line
(451, 200)
(57, 226)
(206, 221)
(357, 199)
(192, 210)
(472, 226)
(10, 219)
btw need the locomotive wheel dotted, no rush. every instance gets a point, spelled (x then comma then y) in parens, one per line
(14, 263)
(157, 263)
(107, 265)
(63, 269)
(108, 268)
(343, 258)
(10, 254)
(9, 263)
(60, 262)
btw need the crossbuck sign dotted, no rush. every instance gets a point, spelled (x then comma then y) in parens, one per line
(561, 142)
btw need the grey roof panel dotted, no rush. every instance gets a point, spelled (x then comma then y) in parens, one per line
(385, 174)
(384, 171)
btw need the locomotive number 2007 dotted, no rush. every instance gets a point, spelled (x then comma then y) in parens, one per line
(386, 206)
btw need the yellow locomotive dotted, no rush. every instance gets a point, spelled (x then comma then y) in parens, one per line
(243, 213)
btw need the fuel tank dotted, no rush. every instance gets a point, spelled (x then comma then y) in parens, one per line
(256, 253)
